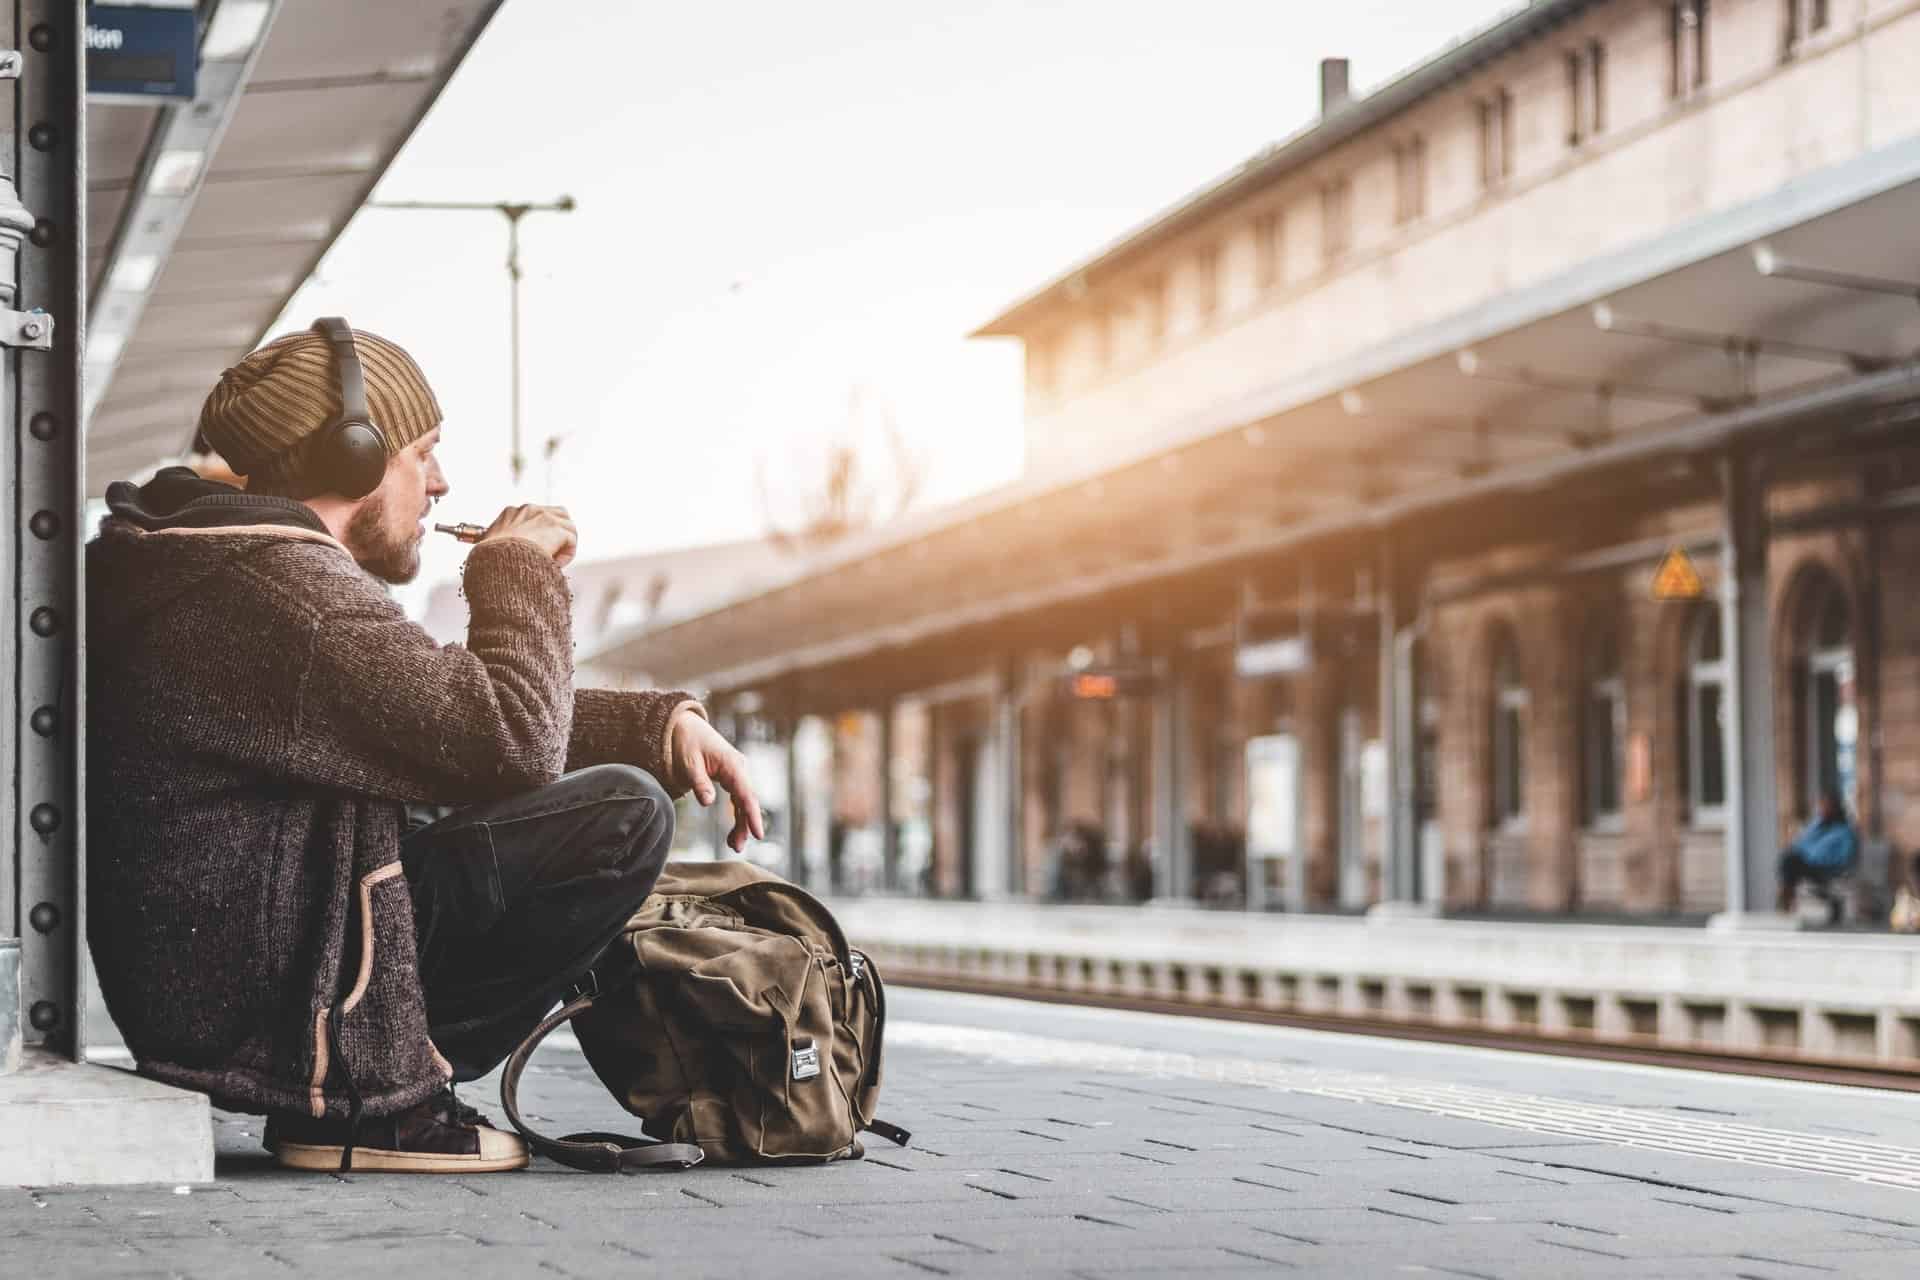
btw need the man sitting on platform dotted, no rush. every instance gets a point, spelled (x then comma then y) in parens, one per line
(268, 924)
(1824, 850)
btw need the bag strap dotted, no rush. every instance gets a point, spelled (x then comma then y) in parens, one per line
(891, 1132)
(593, 1151)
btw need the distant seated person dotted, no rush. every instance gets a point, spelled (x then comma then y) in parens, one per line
(1824, 850)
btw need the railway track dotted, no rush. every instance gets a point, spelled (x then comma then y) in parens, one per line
(1774, 1066)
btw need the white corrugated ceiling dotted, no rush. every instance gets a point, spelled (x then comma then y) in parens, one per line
(338, 89)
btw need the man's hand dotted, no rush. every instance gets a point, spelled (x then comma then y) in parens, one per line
(549, 528)
(706, 758)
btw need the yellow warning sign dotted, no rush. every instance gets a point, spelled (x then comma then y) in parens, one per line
(1677, 579)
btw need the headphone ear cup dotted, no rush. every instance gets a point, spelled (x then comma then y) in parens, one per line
(359, 459)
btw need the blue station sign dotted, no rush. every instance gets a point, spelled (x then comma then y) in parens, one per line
(135, 51)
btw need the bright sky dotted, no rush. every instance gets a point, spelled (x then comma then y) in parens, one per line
(785, 207)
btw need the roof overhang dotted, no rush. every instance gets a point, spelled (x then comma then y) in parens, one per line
(325, 104)
(1543, 397)
(1354, 118)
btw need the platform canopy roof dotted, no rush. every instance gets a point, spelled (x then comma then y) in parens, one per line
(1652, 357)
(204, 218)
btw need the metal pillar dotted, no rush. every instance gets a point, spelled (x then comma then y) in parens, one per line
(1409, 880)
(1173, 869)
(1008, 791)
(1398, 736)
(1752, 808)
(41, 402)
(889, 833)
(513, 211)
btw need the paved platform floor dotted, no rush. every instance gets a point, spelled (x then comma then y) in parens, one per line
(1052, 1141)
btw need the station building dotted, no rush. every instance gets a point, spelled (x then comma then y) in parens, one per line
(1331, 579)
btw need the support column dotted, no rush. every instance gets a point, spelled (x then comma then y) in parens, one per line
(63, 1120)
(1409, 879)
(1008, 794)
(1172, 841)
(1402, 892)
(44, 516)
(1752, 808)
(889, 833)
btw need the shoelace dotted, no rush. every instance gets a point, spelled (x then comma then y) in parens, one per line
(448, 1102)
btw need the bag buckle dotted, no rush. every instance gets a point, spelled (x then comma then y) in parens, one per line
(806, 1060)
(588, 988)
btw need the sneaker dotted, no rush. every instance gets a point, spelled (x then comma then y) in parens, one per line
(425, 1138)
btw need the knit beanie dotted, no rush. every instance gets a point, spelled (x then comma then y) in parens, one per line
(271, 403)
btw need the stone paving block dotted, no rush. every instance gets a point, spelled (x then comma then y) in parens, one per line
(1890, 1207)
(1023, 1171)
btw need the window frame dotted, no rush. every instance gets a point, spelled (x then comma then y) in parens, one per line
(1336, 220)
(1207, 273)
(1410, 179)
(1586, 92)
(1605, 685)
(1043, 366)
(1687, 48)
(1496, 139)
(1510, 706)
(1826, 660)
(1804, 20)
(1597, 87)
(1153, 302)
(1704, 674)
(1268, 244)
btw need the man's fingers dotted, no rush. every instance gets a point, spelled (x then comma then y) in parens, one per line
(756, 821)
(733, 776)
(697, 780)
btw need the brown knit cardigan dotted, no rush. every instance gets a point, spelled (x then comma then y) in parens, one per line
(258, 711)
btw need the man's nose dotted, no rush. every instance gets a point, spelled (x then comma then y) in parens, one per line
(437, 486)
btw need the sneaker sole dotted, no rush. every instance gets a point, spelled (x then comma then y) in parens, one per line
(294, 1155)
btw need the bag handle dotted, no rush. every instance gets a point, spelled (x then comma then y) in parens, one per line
(594, 1151)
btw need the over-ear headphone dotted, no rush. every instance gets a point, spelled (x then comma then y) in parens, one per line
(351, 459)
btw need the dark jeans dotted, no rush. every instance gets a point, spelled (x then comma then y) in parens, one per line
(1794, 868)
(515, 900)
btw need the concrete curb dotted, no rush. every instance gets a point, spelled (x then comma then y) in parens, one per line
(67, 1122)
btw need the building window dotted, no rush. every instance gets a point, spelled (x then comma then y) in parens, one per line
(1803, 20)
(1153, 309)
(1206, 292)
(1410, 179)
(1687, 47)
(1496, 139)
(1706, 721)
(1267, 248)
(1586, 92)
(1603, 729)
(1509, 756)
(1833, 716)
(1040, 367)
(1336, 220)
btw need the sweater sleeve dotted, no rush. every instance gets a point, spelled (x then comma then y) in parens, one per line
(383, 709)
(614, 726)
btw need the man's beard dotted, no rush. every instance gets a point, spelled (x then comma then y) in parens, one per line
(379, 552)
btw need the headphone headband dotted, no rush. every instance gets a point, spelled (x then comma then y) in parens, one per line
(346, 364)
(354, 456)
